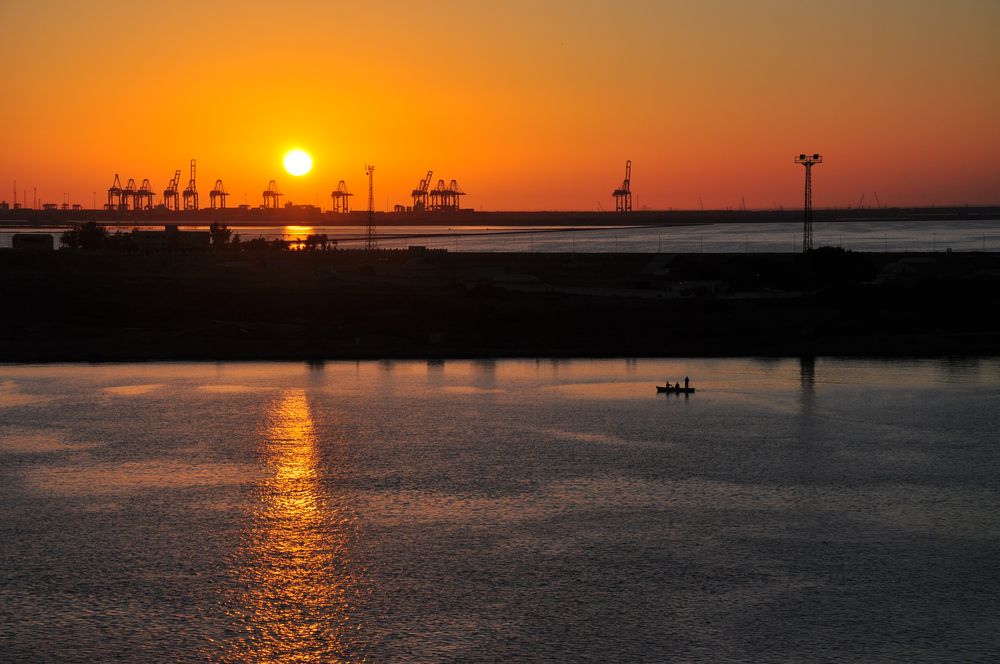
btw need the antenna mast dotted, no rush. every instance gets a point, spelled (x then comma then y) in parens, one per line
(370, 237)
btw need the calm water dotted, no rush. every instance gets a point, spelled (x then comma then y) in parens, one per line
(512, 510)
(903, 235)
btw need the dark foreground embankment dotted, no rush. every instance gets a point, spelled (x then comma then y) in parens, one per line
(327, 305)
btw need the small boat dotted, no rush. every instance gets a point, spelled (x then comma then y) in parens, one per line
(674, 390)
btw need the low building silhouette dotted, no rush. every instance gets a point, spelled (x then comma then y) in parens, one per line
(171, 237)
(32, 242)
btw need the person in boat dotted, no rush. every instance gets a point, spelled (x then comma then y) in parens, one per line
(685, 382)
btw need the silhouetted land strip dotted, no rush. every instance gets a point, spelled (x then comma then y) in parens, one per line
(312, 215)
(77, 305)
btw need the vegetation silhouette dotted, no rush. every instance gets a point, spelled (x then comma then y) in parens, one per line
(89, 235)
(221, 235)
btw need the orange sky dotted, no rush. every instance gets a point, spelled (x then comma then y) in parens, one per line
(530, 105)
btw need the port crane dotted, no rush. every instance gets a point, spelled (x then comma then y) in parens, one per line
(129, 195)
(420, 193)
(623, 195)
(340, 198)
(217, 197)
(445, 196)
(114, 195)
(272, 195)
(171, 198)
(144, 196)
(452, 194)
(437, 195)
(191, 193)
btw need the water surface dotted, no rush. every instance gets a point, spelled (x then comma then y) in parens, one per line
(828, 510)
(753, 237)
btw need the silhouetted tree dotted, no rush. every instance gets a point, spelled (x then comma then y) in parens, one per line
(319, 241)
(87, 236)
(220, 235)
(260, 244)
(256, 244)
(71, 238)
(118, 241)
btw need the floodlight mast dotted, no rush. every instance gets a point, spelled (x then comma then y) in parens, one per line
(808, 160)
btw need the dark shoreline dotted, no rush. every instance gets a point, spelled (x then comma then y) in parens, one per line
(349, 305)
(314, 216)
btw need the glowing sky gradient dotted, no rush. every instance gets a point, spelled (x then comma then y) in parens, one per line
(530, 105)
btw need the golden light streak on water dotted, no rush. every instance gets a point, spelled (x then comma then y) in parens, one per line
(295, 576)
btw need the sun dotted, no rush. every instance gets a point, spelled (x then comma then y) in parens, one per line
(298, 162)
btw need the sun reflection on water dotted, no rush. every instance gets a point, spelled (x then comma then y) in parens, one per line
(296, 577)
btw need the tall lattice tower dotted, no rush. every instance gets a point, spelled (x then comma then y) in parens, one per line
(808, 160)
(370, 237)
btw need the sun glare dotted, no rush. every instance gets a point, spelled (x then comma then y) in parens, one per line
(298, 162)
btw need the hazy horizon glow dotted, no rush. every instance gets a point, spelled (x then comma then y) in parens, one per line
(530, 106)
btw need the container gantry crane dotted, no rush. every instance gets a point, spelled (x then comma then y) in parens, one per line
(114, 195)
(171, 195)
(341, 198)
(454, 192)
(144, 196)
(420, 193)
(271, 195)
(445, 196)
(437, 195)
(191, 193)
(623, 195)
(129, 199)
(217, 197)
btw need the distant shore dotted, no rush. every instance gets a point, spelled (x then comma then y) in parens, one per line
(314, 216)
(327, 305)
